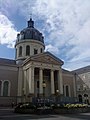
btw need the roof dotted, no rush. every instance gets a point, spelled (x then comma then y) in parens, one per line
(30, 33)
(7, 61)
(42, 55)
(66, 71)
(55, 57)
(82, 70)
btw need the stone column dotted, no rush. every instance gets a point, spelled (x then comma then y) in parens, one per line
(52, 83)
(60, 82)
(31, 80)
(41, 81)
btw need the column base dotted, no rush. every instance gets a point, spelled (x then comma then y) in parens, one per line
(53, 94)
(41, 95)
(30, 95)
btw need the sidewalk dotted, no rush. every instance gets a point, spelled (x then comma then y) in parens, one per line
(6, 108)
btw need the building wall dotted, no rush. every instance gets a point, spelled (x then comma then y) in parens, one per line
(68, 79)
(9, 73)
(33, 45)
(16, 77)
(83, 85)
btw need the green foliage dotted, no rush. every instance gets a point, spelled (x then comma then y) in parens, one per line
(65, 108)
(25, 107)
(78, 105)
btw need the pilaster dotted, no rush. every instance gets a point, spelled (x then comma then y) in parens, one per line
(60, 82)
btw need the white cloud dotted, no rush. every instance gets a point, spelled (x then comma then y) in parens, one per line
(7, 31)
(51, 48)
(66, 22)
(68, 25)
(9, 7)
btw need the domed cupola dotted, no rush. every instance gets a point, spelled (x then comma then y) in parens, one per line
(30, 33)
(29, 42)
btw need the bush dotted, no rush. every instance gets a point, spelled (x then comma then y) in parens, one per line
(25, 107)
(57, 108)
(77, 105)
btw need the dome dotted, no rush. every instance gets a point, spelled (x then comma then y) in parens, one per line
(30, 33)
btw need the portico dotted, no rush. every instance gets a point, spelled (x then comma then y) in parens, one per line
(36, 72)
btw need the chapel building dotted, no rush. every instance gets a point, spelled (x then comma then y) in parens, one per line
(34, 73)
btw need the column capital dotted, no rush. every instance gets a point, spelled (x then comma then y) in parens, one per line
(52, 70)
(41, 68)
(32, 66)
(60, 70)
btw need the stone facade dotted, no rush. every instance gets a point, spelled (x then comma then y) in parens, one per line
(82, 77)
(8, 73)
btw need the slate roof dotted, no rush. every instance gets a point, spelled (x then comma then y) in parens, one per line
(7, 61)
(47, 53)
(82, 70)
(55, 57)
(30, 33)
(66, 71)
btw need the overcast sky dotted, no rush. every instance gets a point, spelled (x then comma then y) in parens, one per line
(65, 25)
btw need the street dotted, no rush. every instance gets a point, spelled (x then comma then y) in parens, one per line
(7, 114)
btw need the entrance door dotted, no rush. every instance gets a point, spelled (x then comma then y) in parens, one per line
(80, 98)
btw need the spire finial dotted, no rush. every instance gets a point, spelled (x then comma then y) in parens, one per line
(31, 22)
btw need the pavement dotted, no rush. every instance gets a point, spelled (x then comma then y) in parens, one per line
(8, 114)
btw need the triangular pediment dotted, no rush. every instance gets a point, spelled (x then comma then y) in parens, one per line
(46, 57)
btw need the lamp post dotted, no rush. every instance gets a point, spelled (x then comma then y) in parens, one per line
(44, 86)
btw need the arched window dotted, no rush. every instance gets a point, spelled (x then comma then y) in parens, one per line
(16, 54)
(0, 87)
(20, 51)
(6, 88)
(41, 50)
(35, 51)
(27, 50)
